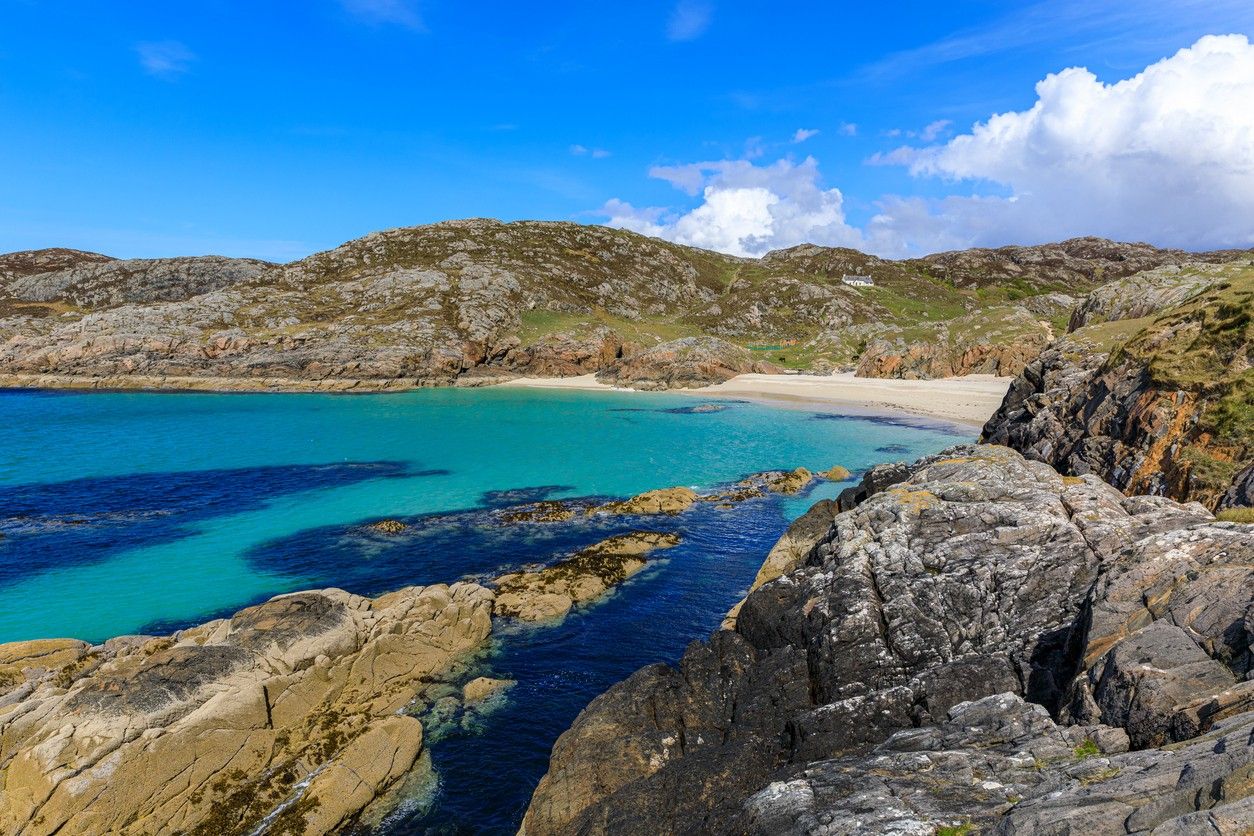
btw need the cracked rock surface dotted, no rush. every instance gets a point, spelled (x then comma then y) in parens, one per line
(977, 575)
(292, 707)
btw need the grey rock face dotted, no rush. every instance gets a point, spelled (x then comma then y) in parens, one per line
(1143, 294)
(874, 481)
(1003, 766)
(135, 281)
(980, 573)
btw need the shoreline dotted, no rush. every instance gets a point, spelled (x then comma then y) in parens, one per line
(969, 401)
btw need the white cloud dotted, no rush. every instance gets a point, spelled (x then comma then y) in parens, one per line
(803, 134)
(584, 151)
(397, 12)
(848, 129)
(165, 59)
(745, 209)
(1165, 156)
(934, 130)
(689, 20)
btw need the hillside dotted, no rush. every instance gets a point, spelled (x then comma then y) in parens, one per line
(1160, 402)
(466, 302)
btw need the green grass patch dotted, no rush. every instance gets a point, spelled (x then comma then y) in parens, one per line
(1087, 749)
(1236, 515)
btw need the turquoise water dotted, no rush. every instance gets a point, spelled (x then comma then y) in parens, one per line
(146, 512)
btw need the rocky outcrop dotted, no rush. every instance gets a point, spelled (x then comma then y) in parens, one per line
(1000, 765)
(292, 708)
(791, 550)
(999, 342)
(53, 259)
(978, 574)
(661, 501)
(107, 284)
(689, 363)
(1145, 293)
(1159, 406)
(566, 355)
(1067, 265)
(552, 592)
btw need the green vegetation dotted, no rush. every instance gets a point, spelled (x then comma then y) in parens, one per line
(964, 829)
(1087, 749)
(1236, 515)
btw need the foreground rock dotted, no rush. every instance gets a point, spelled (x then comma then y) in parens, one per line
(1159, 405)
(1001, 765)
(688, 363)
(979, 573)
(210, 730)
(552, 592)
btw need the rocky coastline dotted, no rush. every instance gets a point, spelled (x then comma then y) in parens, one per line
(306, 713)
(979, 644)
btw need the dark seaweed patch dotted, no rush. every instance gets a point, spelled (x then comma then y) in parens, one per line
(82, 521)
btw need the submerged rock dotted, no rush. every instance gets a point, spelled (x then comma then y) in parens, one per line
(482, 687)
(552, 592)
(209, 730)
(547, 511)
(835, 702)
(388, 526)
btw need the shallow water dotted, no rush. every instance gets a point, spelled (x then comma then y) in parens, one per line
(147, 512)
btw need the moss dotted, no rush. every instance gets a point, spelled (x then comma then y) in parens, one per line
(964, 829)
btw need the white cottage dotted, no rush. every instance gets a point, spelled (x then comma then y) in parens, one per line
(858, 281)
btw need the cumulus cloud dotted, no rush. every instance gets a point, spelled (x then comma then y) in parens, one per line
(165, 59)
(689, 20)
(803, 134)
(396, 12)
(848, 129)
(1165, 156)
(745, 209)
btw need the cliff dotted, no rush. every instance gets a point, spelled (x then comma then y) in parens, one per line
(1159, 404)
(984, 646)
(470, 302)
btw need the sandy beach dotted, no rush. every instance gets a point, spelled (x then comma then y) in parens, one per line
(970, 400)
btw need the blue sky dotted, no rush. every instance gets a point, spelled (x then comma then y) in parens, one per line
(277, 129)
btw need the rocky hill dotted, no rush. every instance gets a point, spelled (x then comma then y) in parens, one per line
(1154, 391)
(467, 302)
(984, 646)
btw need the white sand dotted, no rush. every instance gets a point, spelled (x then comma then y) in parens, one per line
(968, 400)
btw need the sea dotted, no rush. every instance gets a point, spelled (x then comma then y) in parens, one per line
(135, 512)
